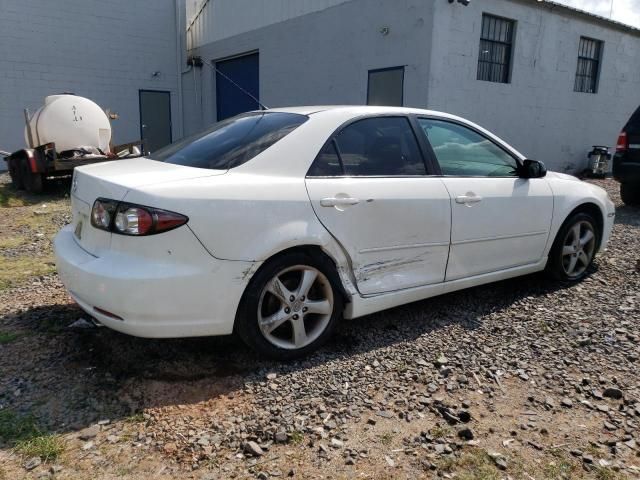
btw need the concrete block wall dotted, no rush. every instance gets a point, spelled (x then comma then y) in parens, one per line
(106, 50)
(538, 111)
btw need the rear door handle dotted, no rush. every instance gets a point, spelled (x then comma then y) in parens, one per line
(468, 199)
(339, 202)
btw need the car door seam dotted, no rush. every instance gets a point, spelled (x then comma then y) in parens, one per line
(501, 237)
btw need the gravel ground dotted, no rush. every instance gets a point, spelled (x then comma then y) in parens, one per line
(525, 378)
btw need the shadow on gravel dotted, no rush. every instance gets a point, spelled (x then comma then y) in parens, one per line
(87, 375)
(628, 215)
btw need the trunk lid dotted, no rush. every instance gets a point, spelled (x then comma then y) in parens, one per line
(113, 180)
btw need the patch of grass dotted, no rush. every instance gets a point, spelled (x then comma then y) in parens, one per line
(562, 467)
(592, 449)
(472, 465)
(7, 337)
(11, 242)
(297, 437)
(16, 270)
(440, 432)
(11, 198)
(386, 438)
(14, 428)
(559, 469)
(605, 473)
(47, 447)
(135, 418)
(124, 471)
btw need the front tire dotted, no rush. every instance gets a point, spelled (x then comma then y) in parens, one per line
(290, 308)
(630, 193)
(574, 248)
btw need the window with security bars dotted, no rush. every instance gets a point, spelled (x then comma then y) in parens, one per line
(496, 43)
(589, 53)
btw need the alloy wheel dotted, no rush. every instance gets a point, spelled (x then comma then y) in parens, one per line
(295, 307)
(578, 248)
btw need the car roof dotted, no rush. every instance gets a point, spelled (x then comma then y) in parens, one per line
(357, 110)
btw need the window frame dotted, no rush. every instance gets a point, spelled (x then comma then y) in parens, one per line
(510, 45)
(431, 168)
(381, 70)
(597, 61)
(500, 145)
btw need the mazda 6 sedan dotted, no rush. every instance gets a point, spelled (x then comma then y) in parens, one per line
(277, 224)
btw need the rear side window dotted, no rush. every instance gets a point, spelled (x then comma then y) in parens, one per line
(380, 146)
(232, 142)
(327, 164)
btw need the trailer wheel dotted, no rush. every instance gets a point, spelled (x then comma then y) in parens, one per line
(16, 175)
(33, 182)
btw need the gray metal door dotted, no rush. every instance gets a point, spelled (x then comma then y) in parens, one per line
(155, 119)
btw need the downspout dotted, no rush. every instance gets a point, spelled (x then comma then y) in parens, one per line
(179, 59)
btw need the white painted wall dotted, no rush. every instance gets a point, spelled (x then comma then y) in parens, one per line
(538, 111)
(324, 57)
(103, 50)
(218, 19)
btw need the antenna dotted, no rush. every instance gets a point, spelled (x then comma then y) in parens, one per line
(215, 69)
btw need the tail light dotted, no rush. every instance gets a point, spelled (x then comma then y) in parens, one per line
(136, 220)
(623, 142)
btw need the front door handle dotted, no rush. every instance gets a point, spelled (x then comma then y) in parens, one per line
(339, 202)
(468, 199)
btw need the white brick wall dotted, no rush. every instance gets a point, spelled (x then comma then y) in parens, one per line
(105, 50)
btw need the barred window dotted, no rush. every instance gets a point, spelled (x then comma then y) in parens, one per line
(496, 42)
(589, 53)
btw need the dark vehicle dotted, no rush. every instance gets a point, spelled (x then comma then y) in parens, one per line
(626, 162)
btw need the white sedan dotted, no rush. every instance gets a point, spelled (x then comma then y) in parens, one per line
(277, 224)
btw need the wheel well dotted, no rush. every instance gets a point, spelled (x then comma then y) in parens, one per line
(316, 252)
(593, 210)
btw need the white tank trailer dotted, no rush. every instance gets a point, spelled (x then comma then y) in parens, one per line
(67, 131)
(71, 122)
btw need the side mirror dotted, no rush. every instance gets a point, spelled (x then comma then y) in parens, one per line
(533, 169)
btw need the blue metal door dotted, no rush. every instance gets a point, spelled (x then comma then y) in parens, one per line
(230, 99)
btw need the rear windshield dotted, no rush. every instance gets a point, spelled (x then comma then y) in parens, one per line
(232, 142)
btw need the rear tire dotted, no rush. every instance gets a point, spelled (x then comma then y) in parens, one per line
(33, 182)
(16, 175)
(290, 307)
(630, 193)
(574, 248)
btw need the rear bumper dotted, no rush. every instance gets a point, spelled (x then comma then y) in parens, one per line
(153, 298)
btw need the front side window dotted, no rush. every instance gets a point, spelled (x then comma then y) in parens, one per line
(589, 53)
(380, 146)
(232, 142)
(496, 43)
(461, 151)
